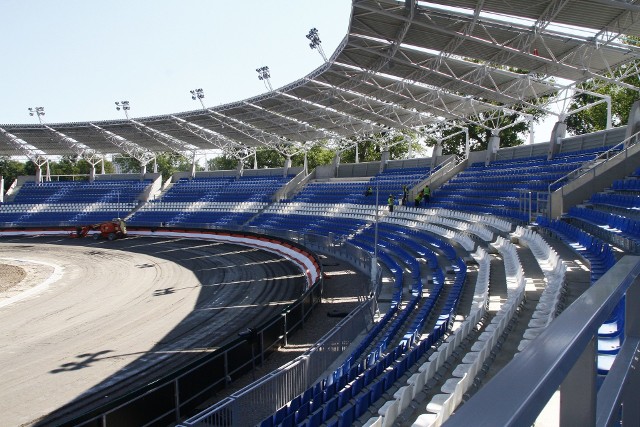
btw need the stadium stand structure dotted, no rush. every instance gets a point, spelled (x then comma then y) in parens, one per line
(73, 202)
(439, 321)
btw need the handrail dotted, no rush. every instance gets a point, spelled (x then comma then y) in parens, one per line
(442, 168)
(555, 359)
(577, 173)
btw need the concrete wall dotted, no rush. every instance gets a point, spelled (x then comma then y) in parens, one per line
(125, 176)
(424, 162)
(325, 172)
(523, 151)
(349, 170)
(604, 138)
(477, 157)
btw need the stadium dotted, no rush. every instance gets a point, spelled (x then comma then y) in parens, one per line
(491, 283)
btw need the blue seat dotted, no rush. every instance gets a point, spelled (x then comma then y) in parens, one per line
(316, 418)
(362, 404)
(330, 409)
(376, 391)
(346, 417)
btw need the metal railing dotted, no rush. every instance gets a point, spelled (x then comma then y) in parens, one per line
(171, 397)
(591, 167)
(255, 402)
(564, 356)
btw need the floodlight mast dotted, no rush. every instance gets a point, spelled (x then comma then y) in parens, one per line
(264, 74)
(36, 111)
(199, 95)
(316, 43)
(124, 106)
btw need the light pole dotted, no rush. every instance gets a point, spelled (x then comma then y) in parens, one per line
(39, 160)
(36, 111)
(264, 74)
(316, 43)
(374, 261)
(199, 95)
(124, 106)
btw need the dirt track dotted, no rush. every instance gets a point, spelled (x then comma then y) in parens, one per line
(10, 275)
(122, 308)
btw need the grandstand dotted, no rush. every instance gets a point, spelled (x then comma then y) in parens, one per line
(512, 282)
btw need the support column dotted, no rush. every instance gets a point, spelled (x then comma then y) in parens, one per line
(1, 189)
(357, 154)
(437, 152)
(92, 173)
(633, 124)
(287, 165)
(38, 174)
(531, 131)
(555, 142)
(155, 165)
(336, 163)
(255, 159)
(384, 158)
(143, 170)
(193, 165)
(306, 164)
(239, 168)
(492, 148)
(467, 144)
(48, 172)
(102, 166)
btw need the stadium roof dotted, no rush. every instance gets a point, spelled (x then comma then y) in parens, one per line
(403, 64)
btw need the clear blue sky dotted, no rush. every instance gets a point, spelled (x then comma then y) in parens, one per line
(76, 57)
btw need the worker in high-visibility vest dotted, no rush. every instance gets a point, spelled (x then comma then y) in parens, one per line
(390, 202)
(427, 194)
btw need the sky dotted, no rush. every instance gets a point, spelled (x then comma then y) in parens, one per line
(76, 58)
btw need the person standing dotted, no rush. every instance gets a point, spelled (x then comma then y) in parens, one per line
(390, 202)
(427, 194)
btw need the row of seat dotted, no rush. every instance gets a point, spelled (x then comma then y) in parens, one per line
(554, 271)
(442, 405)
(601, 258)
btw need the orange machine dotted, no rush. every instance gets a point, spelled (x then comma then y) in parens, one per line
(111, 230)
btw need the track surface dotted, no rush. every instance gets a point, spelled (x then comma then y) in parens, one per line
(133, 306)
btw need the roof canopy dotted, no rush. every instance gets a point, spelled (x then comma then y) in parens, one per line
(402, 65)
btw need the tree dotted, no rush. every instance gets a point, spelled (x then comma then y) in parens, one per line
(595, 118)
(10, 170)
(479, 135)
(223, 162)
(399, 144)
(316, 156)
(168, 164)
(267, 158)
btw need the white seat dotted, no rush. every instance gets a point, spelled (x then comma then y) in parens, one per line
(389, 412)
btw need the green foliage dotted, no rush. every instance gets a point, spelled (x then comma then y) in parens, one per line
(398, 143)
(10, 170)
(316, 156)
(222, 163)
(267, 158)
(595, 118)
(479, 136)
(168, 164)
(66, 165)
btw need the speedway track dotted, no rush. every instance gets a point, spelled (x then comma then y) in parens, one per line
(124, 312)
